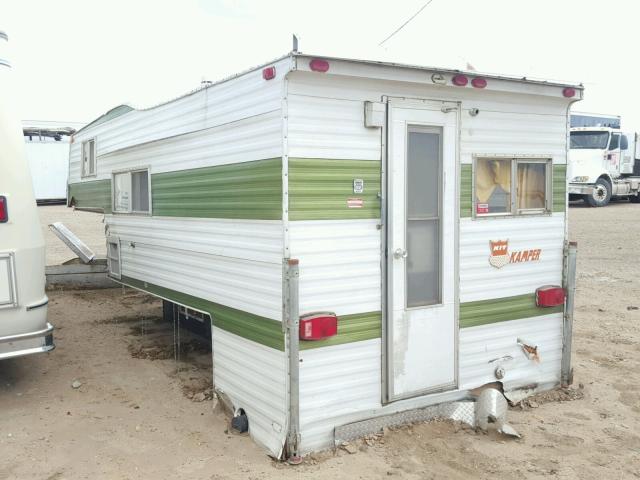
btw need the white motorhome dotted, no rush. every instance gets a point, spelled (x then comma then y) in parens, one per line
(23, 303)
(366, 238)
(604, 162)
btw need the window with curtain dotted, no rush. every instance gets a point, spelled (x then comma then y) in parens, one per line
(511, 186)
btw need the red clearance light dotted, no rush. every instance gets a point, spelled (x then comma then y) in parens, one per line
(269, 73)
(569, 92)
(460, 80)
(319, 65)
(4, 213)
(549, 296)
(318, 326)
(479, 82)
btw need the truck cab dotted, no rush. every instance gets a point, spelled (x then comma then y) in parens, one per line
(602, 164)
(24, 328)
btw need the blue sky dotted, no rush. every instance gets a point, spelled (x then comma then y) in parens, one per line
(76, 59)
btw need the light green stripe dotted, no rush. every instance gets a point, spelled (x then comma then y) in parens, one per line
(351, 328)
(319, 189)
(559, 187)
(248, 190)
(247, 325)
(93, 194)
(466, 190)
(496, 310)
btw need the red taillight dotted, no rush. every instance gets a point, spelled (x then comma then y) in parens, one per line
(569, 92)
(319, 65)
(269, 73)
(549, 296)
(460, 80)
(318, 326)
(4, 213)
(479, 82)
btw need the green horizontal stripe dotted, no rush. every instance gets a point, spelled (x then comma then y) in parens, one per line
(92, 194)
(466, 190)
(559, 188)
(248, 190)
(247, 325)
(497, 310)
(351, 328)
(319, 189)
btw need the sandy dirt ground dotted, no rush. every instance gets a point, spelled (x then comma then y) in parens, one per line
(142, 413)
(87, 226)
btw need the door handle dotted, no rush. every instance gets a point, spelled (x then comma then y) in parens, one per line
(400, 253)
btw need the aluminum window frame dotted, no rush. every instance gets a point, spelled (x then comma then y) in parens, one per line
(130, 210)
(83, 172)
(514, 211)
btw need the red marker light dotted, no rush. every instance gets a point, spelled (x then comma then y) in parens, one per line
(319, 65)
(569, 92)
(4, 212)
(318, 326)
(460, 80)
(269, 73)
(549, 296)
(478, 82)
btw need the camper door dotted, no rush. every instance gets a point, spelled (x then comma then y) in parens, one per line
(421, 248)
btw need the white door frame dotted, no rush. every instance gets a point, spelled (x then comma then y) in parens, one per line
(452, 108)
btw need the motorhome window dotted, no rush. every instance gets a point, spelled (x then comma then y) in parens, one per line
(589, 140)
(531, 186)
(615, 141)
(131, 192)
(89, 158)
(624, 142)
(493, 186)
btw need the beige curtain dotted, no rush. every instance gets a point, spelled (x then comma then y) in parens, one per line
(531, 185)
(489, 174)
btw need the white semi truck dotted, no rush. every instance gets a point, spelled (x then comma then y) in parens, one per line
(604, 161)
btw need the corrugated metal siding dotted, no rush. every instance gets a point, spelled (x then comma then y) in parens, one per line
(481, 346)
(466, 190)
(259, 240)
(559, 188)
(339, 265)
(351, 328)
(254, 378)
(330, 128)
(496, 310)
(94, 194)
(244, 284)
(319, 189)
(336, 384)
(480, 281)
(252, 327)
(242, 190)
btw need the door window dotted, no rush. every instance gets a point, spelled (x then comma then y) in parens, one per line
(424, 178)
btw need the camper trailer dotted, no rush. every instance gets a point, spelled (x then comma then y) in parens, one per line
(367, 239)
(23, 303)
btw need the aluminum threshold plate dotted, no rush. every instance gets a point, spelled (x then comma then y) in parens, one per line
(458, 411)
(76, 245)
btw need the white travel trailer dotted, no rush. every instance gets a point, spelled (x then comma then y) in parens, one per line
(367, 238)
(23, 303)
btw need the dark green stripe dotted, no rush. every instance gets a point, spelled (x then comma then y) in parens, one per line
(319, 189)
(351, 328)
(93, 194)
(559, 187)
(248, 190)
(466, 190)
(247, 325)
(496, 310)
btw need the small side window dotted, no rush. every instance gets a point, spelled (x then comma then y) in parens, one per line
(131, 192)
(493, 186)
(113, 257)
(624, 143)
(89, 158)
(531, 189)
(615, 141)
